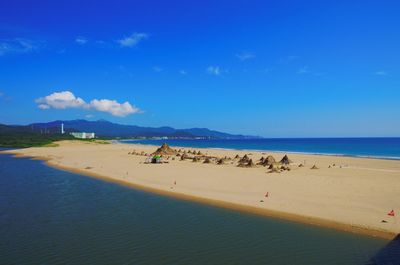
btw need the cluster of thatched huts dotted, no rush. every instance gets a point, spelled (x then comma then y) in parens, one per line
(274, 166)
(142, 153)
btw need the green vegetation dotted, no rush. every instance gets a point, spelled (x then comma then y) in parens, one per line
(30, 139)
(25, 136)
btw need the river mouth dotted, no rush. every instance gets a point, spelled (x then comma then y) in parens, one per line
(48, 216)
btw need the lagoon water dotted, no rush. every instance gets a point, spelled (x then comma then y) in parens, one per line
(48, 216)
(388, 148)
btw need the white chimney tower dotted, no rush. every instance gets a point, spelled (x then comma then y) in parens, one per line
(62, 128)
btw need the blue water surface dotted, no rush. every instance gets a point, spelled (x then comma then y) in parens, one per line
(388, 148)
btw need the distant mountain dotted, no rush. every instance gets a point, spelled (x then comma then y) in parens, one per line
(108, 129)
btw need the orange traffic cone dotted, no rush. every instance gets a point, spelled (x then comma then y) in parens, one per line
(267, 194)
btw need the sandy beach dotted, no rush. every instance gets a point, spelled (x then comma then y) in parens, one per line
(346, 193)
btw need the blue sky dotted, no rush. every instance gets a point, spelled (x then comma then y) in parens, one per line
(269, 68)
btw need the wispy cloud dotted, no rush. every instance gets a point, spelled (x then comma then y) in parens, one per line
(245, 55)
(132, 40)
(215, 70)
(157, 69)
(304, 70)
(4, 97)
(81, 40)
(182, 72)
(66, 99)
(19, 45)
(381, 73)
(288, 59)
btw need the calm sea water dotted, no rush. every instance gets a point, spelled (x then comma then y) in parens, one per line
(48, 216)
(388, 148)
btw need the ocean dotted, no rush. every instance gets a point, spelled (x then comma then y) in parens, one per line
(386, 148)
(49, 216)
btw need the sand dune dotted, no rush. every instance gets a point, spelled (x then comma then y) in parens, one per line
(347, 193)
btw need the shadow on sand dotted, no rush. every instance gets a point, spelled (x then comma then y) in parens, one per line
(389, 255)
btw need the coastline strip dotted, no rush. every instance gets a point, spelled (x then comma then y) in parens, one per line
(222, 204)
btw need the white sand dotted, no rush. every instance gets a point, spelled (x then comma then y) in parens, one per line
(354, 195)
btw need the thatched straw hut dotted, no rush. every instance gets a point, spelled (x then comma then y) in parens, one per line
(237, 157)
(275, 165)
(314, 167)
(207, 161)
(164, 150)
(195, 159)
(220, 161)
(199, 153)
(269, 160)
(301, 165)
(274, 170)
(244, 159)
(285, 160)
(250, 163)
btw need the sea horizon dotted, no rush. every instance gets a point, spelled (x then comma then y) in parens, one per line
(363, 147)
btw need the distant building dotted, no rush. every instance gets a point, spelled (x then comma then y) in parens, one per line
(62, 128)
(83, 135)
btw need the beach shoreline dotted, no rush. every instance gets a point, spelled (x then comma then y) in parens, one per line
(395, 158)
(66, 157)
(383, 157)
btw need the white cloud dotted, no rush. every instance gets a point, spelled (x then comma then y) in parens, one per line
(81, 40)
(66, 99)
(182, 72)
(88, 116)
(132, 40)
(214, 70)
(60, 100)
(18, 45)
(245, 56)
(113, 107)
(381, 73)
(43, 106)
